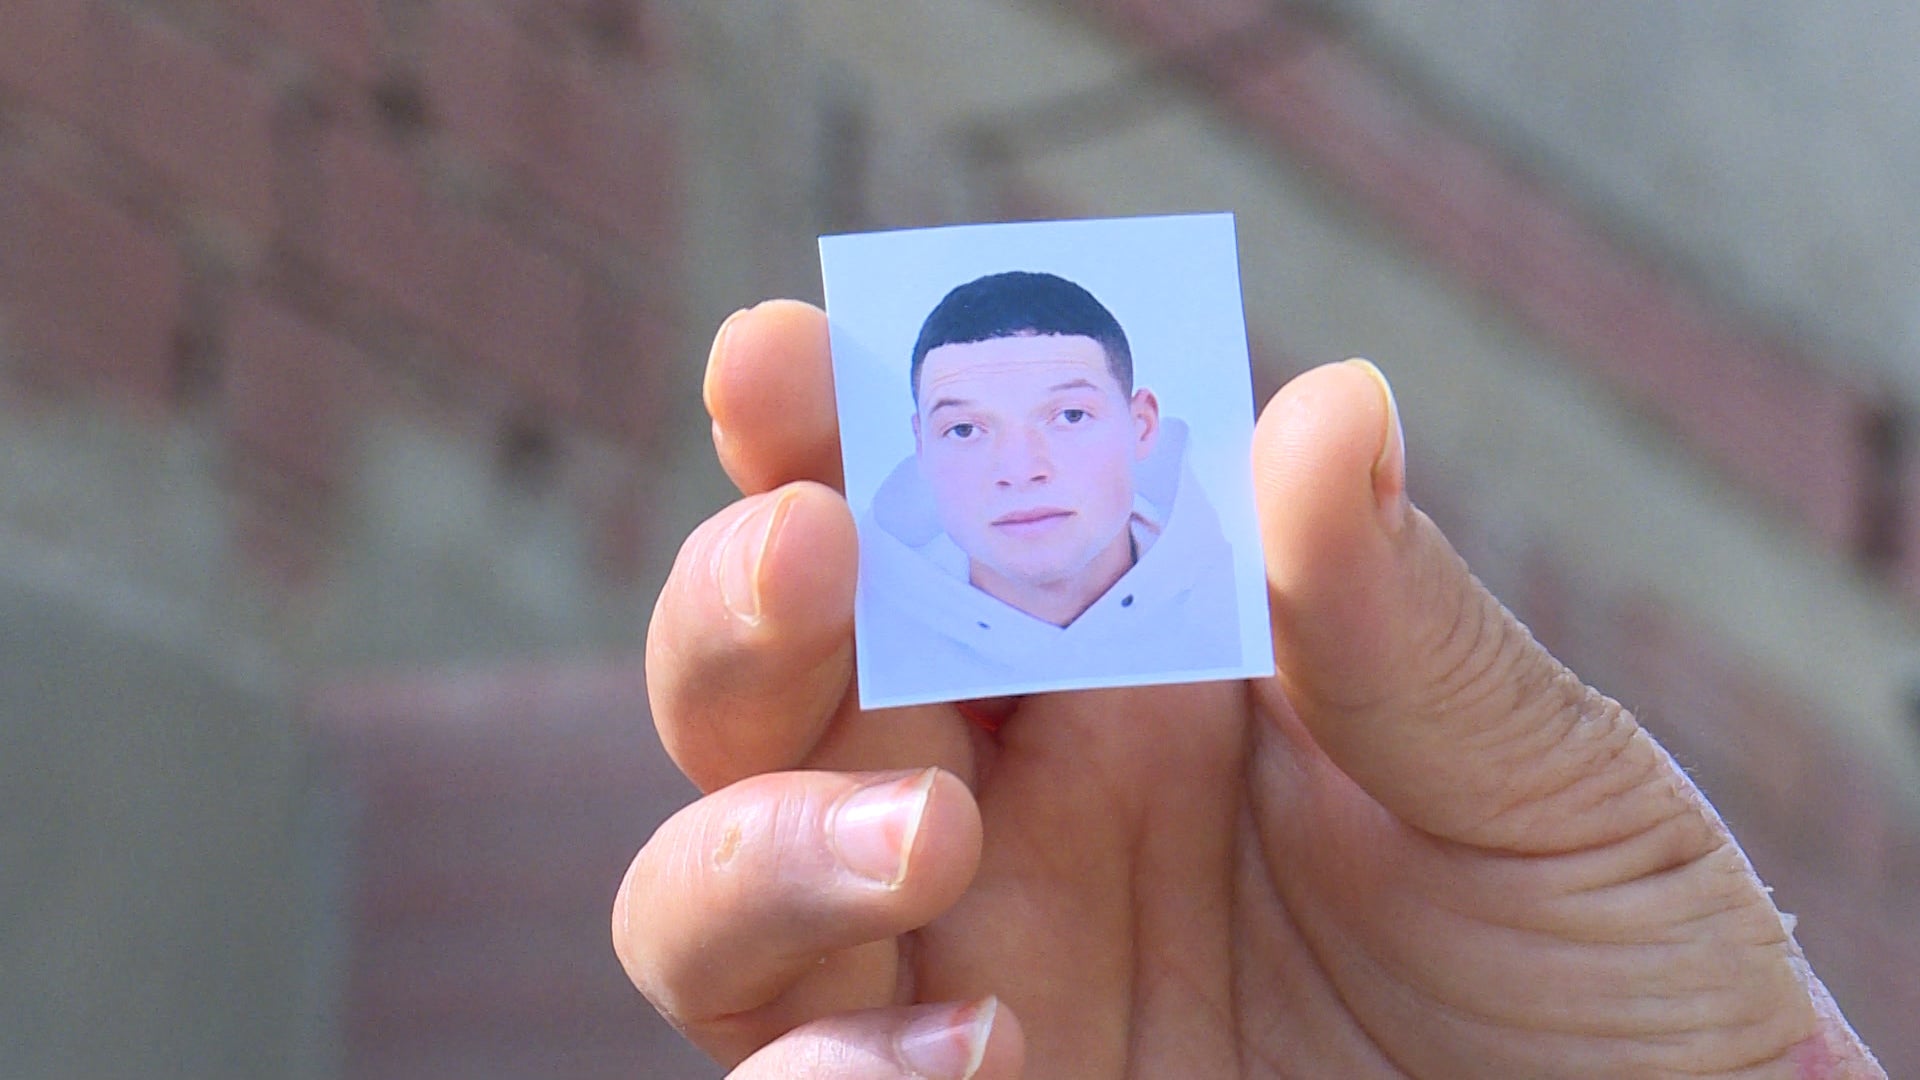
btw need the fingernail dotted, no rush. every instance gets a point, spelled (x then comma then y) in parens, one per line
(874, 829)
(950, 1044)
(713, 354)
(742, 551)
(1390, 466)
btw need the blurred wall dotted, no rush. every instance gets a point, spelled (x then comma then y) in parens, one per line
(1768, 144)
(158, 896)
(349, 362)
(335, 338)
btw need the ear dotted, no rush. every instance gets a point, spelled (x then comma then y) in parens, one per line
(916, 433)
(1146, 421)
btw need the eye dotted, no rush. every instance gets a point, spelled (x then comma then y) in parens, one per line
(962, 431)
(1073, 416)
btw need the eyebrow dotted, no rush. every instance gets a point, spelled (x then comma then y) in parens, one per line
(955, 403)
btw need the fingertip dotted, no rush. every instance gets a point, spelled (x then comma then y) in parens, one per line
(1329, 470)
(769, 389)
(1405, 670)
(975, 1040)
(739, 382)
(779, 898)
(1390, 466)
(1005, 1052)
(951, 837)
(715, 355)
(750, 646)
(808, 568)
(979, 1040)
(777, 567)
(918, 830)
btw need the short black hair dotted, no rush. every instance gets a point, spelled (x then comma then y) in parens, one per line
(1016, 303)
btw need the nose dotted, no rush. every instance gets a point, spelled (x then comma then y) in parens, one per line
(1022, 457)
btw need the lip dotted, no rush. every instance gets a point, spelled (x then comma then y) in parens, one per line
(1031, 517)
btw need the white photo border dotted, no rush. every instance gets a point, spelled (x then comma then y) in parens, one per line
(1173, 284)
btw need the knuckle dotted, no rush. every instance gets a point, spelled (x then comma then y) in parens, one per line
(1550, 759)
(717, 888)
(1472, 657)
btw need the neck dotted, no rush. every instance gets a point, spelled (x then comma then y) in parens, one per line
(1060, 602)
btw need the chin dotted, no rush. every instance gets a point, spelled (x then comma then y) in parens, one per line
(1036, 576)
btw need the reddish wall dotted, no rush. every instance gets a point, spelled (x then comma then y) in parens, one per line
(291, 215)
(279, 219)
(1773, 418)
(497, 814)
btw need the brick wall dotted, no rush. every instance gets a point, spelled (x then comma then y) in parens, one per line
(1814, 444)
(274, 225)
(283, 217)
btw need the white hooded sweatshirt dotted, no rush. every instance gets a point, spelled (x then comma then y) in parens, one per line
(927, 634)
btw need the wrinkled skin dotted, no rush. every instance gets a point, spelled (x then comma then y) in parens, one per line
(1422, 849)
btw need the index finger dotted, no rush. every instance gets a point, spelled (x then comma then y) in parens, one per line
(756, 675)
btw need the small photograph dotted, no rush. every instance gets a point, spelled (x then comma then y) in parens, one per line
(1046, 429)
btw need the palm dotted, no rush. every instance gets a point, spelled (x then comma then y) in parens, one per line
(1104, 904)
(1287, 925)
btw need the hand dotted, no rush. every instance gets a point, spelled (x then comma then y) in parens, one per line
(1424, 849)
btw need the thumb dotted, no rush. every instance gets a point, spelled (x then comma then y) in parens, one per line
(1407, 673)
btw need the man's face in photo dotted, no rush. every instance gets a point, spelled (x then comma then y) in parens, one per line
(1028, 444)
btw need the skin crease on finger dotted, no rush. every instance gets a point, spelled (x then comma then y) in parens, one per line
(1231, 901)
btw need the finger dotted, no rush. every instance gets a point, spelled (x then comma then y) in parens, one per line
(769, 389)
(726, 916)
(750, 650)
(1406, 671)
(733, 697)
(749, 654)
(976, 1041)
